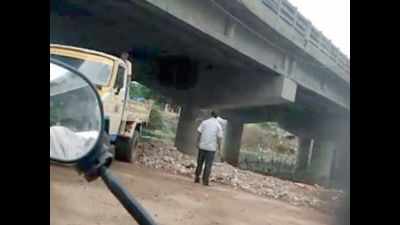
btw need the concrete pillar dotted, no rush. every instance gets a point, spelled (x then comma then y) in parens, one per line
(339, 134)
(322, 159)
(303, 154)
(186, 134)
(341, 168)
(166, 107)
(232, 140)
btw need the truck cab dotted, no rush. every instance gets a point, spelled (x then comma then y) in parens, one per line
(110, 76)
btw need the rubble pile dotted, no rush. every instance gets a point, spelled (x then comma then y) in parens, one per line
(157, 155)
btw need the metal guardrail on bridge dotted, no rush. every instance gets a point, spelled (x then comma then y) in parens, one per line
(291, 16)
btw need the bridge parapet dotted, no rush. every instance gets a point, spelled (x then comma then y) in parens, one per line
(304, 28)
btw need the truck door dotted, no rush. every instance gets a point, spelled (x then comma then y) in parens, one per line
(123, 95)
(115, 104)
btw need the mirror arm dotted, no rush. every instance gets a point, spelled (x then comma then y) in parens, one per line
(102, 159)
(125, 198)
(100, 169)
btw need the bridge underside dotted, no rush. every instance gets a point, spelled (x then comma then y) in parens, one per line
(116, 26)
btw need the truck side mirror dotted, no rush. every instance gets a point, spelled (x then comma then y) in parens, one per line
(119, 83)
(71, 143)
(117, 90)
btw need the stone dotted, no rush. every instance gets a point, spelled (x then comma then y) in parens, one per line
(159, 156)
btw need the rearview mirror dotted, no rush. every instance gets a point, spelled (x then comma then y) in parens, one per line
(76, 114)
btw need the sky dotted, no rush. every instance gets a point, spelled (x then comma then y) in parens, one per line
(331, 17)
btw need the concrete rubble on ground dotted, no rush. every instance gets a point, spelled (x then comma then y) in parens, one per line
(159, 156)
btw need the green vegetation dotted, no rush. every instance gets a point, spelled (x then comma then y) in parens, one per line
(267, 150)
(156, 120)
(138, 90)
(161, 126)
(272, 163)
(266, 136)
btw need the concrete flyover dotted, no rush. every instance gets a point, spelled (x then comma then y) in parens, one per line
(246, 58)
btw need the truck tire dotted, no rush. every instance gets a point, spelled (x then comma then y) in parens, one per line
(126, 148)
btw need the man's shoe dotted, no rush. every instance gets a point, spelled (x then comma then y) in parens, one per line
(205, 183)
(196, 180)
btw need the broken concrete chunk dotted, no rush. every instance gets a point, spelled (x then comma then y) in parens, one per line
(159, 156)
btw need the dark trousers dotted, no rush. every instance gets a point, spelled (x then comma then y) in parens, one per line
(206, 157)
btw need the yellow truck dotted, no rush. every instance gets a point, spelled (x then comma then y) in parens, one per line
(111, 76)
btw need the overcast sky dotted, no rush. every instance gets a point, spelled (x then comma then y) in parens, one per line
(331, 17)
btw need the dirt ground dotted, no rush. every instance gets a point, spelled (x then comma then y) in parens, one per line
(171, 199)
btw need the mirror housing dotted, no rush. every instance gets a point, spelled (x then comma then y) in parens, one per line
(76, 117)
(119, 82)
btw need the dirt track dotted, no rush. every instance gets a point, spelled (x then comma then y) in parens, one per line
(172, 199)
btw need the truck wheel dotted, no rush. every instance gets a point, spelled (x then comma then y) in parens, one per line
(126, 148)
(134, 144)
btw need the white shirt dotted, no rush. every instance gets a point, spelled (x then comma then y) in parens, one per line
(209, 130)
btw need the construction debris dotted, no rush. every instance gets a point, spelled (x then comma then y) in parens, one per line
(159, 156)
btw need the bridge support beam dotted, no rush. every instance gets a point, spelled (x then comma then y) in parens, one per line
(303, 156)
(322, 161)
(232, 141)
(328, 162)
(186, 134)
(341, 168)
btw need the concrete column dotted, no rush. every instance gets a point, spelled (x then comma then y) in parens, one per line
(303, 154)
(322, 159)
(232, 140)
(166, 107)
(339, 134)
(341, 168)
(186, 134)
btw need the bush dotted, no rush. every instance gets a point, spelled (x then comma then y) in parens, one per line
(283, 149)
(156, 120)
(161, 127)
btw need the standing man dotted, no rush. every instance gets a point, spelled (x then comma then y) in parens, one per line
(209, 141)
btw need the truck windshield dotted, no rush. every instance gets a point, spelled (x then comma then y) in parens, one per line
(97, 72)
